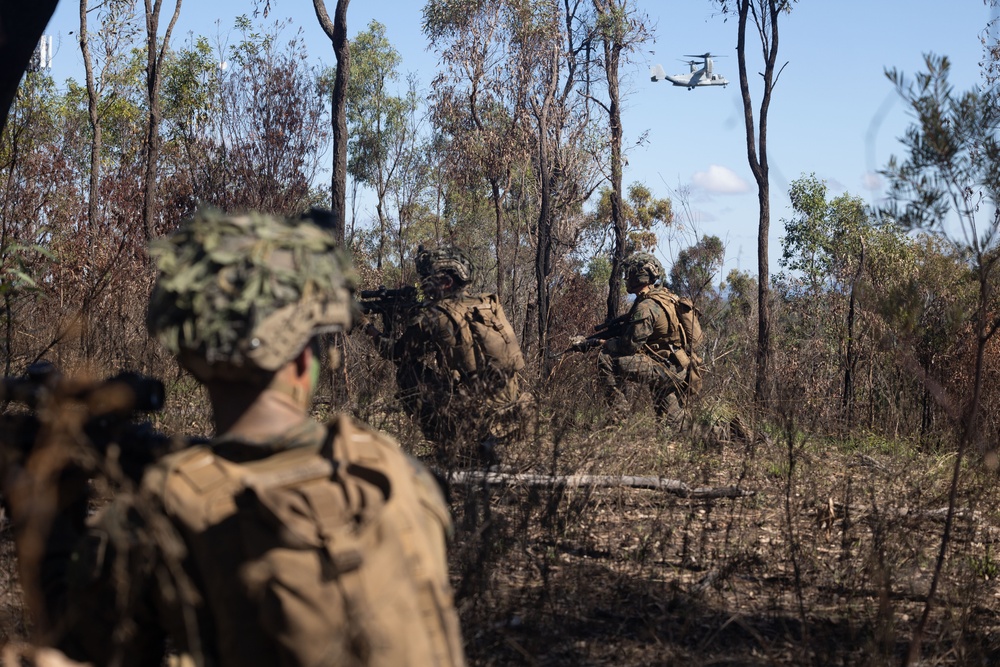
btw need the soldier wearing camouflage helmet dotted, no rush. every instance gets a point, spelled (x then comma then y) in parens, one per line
(457, 362)
(650, 351)
(282, 541)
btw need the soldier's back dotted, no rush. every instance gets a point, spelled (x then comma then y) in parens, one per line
(327, 553)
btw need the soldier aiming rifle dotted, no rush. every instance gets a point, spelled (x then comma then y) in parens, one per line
(653, 344)
(457, 362)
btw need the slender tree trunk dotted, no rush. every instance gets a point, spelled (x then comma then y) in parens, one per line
(543, 252)
(612, 53)
(336, 30)
(850, 361)
(154, 59)
(766, 22)
(95, 121)
(498, 219)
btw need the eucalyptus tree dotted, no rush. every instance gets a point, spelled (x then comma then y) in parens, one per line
(377, 121)
(762, 18)
(696, 268)
(336, 30)
(837, 246)
(949, 181)
(550, 51)
(410, 188)
(642, 215)
(103, 85)
(619, 29)
(512, 103)
(156, 50)
(478, 108)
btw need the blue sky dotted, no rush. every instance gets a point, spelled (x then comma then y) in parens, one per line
(833, 111)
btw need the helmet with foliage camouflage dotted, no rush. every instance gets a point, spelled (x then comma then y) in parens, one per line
(444, 260)
(642, 268)
(239, 296)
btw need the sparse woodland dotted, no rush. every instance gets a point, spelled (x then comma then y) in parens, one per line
(869, 533)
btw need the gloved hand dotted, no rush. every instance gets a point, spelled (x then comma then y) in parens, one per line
(582, 344)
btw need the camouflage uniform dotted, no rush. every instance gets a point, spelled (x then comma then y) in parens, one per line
(318, 545)
(463, 405)
(650, 351)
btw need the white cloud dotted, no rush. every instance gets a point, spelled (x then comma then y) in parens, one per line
(871, 181)
(720, 180)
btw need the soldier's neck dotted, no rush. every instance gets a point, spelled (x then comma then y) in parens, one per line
(256, 415)
(264, 417)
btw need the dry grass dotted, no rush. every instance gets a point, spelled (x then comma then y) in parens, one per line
(828, 563)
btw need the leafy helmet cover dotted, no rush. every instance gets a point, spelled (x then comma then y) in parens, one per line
(644, 267)
(444, 260)
(243, 295)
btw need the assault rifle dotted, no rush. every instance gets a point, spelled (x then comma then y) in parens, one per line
(63, 413)
(392, 304)
(602, 332)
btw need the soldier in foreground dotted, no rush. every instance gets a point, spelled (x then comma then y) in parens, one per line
(652, 349)
(457, 362)
(282, 541)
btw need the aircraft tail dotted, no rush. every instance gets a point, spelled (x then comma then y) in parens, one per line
(656, 73)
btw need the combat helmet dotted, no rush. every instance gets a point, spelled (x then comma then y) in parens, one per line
(237, 297)
(448, 259)
(642, 268)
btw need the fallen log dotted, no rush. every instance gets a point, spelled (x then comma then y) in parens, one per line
(674, 486)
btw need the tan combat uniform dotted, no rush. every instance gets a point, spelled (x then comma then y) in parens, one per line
(458, 400)
(326, 547)
(650, 352)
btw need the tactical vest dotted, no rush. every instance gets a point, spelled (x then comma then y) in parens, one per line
(319, 555)
(484, 339)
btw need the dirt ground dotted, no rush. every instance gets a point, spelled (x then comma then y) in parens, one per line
(828, 562)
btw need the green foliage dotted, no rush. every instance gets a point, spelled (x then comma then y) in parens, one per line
(643, 213)
(442, 19)
(189, 85)
(953, 159)
(696, 267)
(598, 270)
(375, 117)
(741, 290)
(985, 567)
(827, 240)
(14, 268)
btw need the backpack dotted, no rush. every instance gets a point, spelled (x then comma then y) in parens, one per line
(693, 339)
(691, 334)
(690, 324)
(330, 554)
(485, 333)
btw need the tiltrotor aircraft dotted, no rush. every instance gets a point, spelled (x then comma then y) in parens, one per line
(700, 73)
